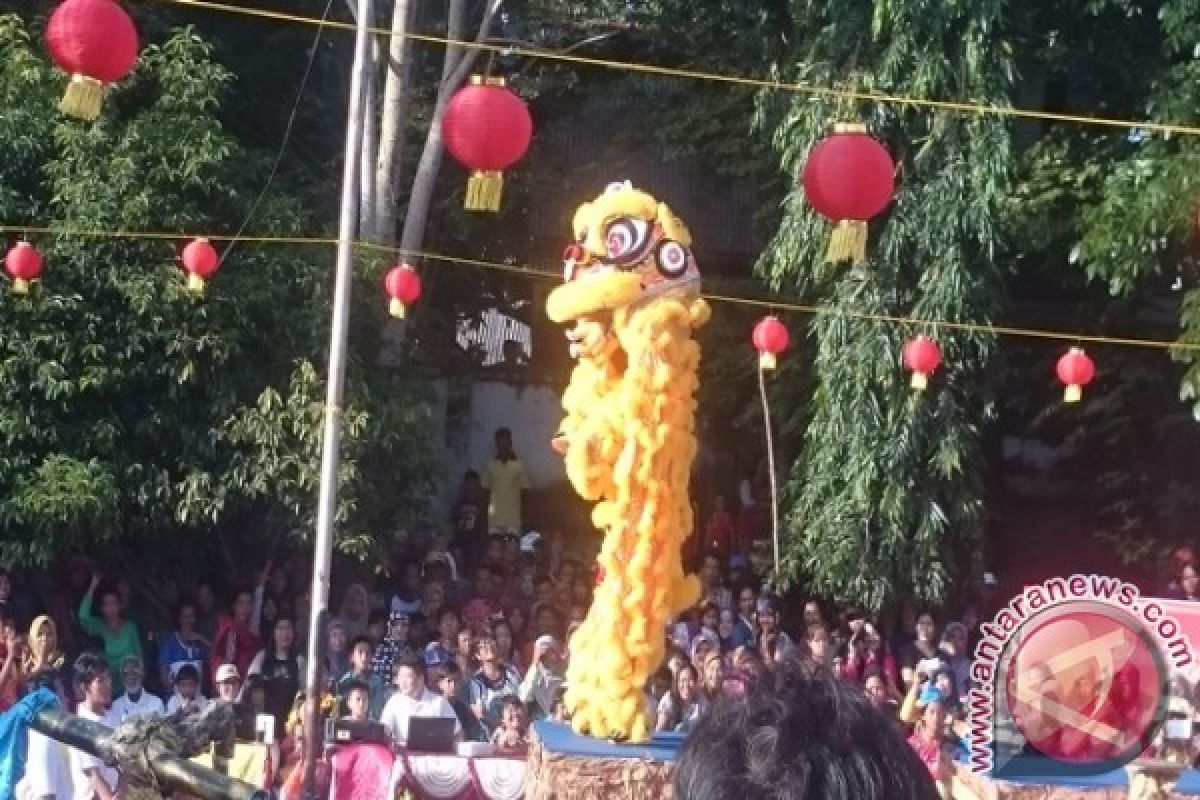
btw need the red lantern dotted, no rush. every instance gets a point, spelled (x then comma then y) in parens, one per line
(96, 43)
(23, 263)
(1076, 371)
(200, 260)
(923, 356)
(849, 178)
(487, 129)
(770, 339)
(403, 285)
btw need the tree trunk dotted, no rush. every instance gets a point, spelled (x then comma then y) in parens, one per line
(388, 161)
(367, 198)
(458, 63)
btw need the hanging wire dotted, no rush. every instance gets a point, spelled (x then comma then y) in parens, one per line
(529, 51)
(539, 274)
(771, 476)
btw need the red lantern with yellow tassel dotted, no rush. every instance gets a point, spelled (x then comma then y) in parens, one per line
(200, 261)
(849, 177)
(23, 263)
(770, 339)
(487, 129)
(95, 42)
(923, 356)
(1075, 370)
(403, 285)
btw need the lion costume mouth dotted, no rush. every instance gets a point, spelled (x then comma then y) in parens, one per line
(593, 294)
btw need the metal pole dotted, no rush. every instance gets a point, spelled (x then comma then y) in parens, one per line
(178, 773)
(331, 440)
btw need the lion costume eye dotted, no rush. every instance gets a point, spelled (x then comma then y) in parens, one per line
(626, 238)
(672, 259)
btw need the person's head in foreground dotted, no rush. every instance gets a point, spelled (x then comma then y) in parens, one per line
(800, 735)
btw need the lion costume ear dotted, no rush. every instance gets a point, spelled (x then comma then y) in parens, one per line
(673, 227)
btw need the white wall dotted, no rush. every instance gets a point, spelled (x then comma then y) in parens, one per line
(533, 413)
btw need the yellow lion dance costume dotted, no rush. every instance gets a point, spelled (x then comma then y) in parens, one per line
(632, 291)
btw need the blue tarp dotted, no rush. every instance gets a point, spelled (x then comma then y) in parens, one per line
(559, 738)
(14, 738)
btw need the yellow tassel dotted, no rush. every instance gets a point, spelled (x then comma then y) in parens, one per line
(920, 381)
(195, 284)
(397, 308)
(20, 286)
(83, 98)
(484, 190)
(1073, 394)
(766, 361)
(848, 242)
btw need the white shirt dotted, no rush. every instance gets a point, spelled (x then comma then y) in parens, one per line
(47, 770)
(176, 702)
(147, 705)
(81, 761)
(400, 708)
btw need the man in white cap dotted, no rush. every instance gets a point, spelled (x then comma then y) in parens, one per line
(544, 677)
(229, 683)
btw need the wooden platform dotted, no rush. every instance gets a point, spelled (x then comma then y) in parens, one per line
(566, 766)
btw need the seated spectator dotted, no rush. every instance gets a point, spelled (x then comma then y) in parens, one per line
(237, 640)
(710, 619)
(774, 645)
(928, 740)
(875, 686)
(657, 687)
(445, 647)
(544, 677)
(512, 734)
(407, 599)
(748, 669)
(44, 651)
(356, 701)
(704, 644)
(804, 736)
(183, 646)
(869, 653)
(467, 660)
(136, 701)
(120, 636)
(922, 647)
(377, 627)
(413, 699)
(712, 684)
(12, 655)
(93, 685)
(727, 631)
(953, 650)
(494, 681)
(713, 588)
(362, 671)
(281, 666)
(337, 654)
(394, 647)
(683, 705)
(506, 645)
(228, 683)
(450, 685)
(820, 646)
(187, 698)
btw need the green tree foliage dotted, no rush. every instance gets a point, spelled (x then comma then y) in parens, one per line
(887, 497)
(136, 414)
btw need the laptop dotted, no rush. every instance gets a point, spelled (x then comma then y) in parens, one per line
(353, 731)
(431, 734)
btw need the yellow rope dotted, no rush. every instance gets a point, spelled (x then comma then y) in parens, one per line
(953, 106)
(531, 272)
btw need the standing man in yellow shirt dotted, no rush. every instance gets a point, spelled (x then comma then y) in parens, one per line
(505, 479)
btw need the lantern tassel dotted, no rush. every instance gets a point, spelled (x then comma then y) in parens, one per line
(848, 242)
(195, 284)
(83, 98)
(1073, 394)
(920, 381)
(766, 361)
(397, 308)
(484, 190)
(20, 286)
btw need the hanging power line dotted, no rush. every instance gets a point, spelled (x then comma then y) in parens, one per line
(775, 305)
(532, 52)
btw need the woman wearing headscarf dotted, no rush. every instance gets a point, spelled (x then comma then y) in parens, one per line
(43, 652)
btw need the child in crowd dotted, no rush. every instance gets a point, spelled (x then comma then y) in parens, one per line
(512, 734)
(356, 697)
(361, 671)
(187, 698)
(449, 681)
